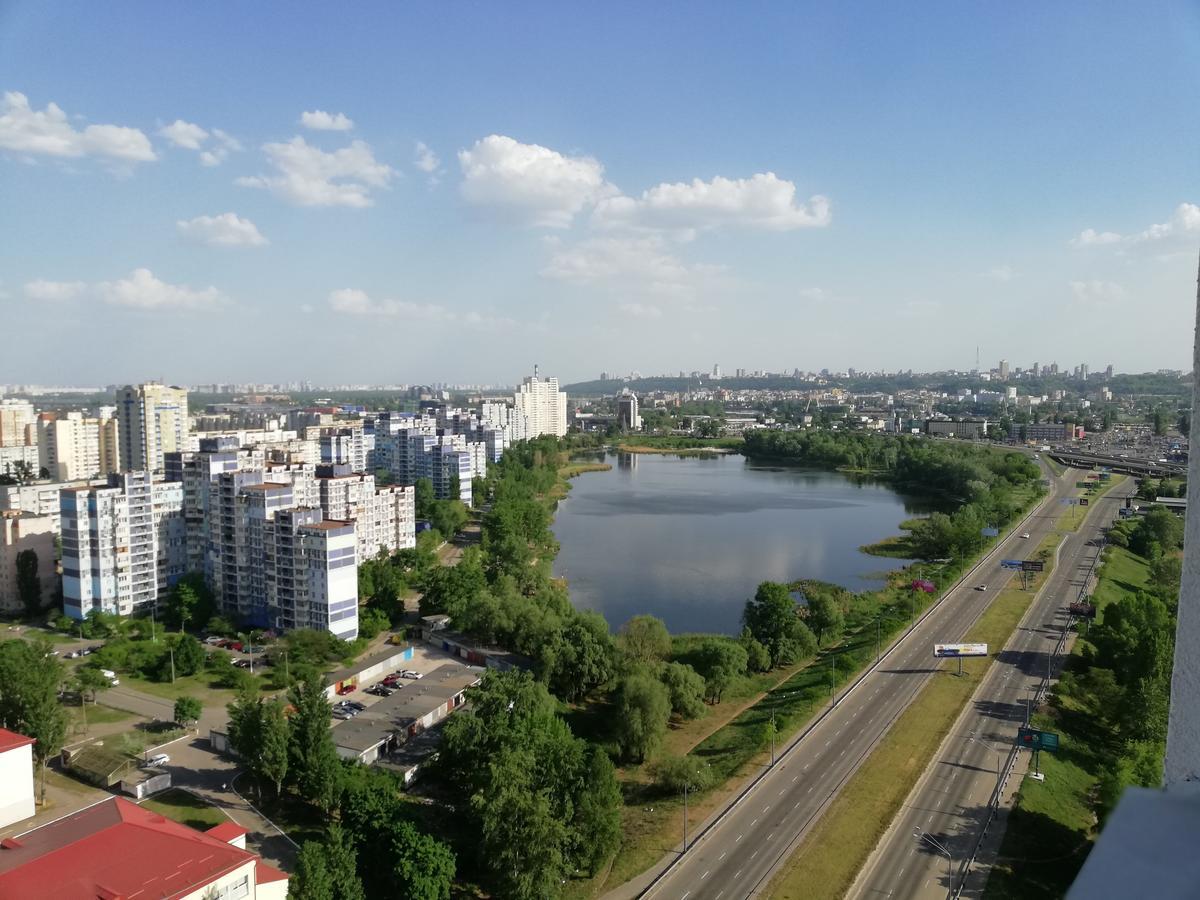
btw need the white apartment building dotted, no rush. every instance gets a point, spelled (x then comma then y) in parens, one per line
(41, 499)
(383, 519)
(18, 456)
(21, 531)
(343, 444)
(122, 545)
(153, 421)
(542, 405)
(628, 417)
(16, 423)
(72, 447)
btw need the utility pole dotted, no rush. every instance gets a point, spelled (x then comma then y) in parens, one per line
(832, 677)
(877, 618)
(685, 787)
(772, 737)
(940, 848)
(172, 652)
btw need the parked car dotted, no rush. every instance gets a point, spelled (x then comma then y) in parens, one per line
(214, 640)
(355, 705)
(346, 688)
(381, 690)
(160, 760)
(242, 663)
(74, 654)
(234, 645)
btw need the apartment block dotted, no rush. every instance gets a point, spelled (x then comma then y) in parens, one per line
(72, 446)
(383, 519)
(19, 532)
(542, 405)
(16, 423)
(153, 422)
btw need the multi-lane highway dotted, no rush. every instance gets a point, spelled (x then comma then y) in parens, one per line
(740, 850)
(950, 802)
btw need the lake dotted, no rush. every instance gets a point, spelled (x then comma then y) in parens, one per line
(689, 539)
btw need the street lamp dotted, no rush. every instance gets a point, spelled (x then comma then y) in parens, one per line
(975, 739)
(937, 845)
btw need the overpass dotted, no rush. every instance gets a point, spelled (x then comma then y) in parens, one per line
(1127, 465)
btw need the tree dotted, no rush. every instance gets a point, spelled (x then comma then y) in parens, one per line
(721, 662)
(448, 516)
(644, 708)
(644, 639)
(30, 677)
(189, 601)
(89, 680)
(673, 773)
(825, 617)
(372, 622)
(189, 655)
(312, 758)
(245, 723)
(773, 619)
(188, 710)
(424, 498)
(686, 689)
(273, 743)
(586, 657)
(424, 867)
(29, 584)
(596, 832)
(1166, 573)
(758, 658)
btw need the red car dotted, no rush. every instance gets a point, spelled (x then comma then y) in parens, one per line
(236, 645)
(346, 689)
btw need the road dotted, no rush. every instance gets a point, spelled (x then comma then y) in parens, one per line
(737, 855)
(951, 800)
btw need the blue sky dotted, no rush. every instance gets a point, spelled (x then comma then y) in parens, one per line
(479, 187)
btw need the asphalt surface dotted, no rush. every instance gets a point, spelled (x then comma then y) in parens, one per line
(951, 801)
(737, 855)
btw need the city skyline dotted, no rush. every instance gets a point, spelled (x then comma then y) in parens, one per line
(591, 195)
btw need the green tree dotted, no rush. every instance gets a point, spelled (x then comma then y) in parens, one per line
(758, 658)
(423, 867)
(1166, 572)
(825, 617)
(773, 619)
(189, 656)
(30, 678)
(644, 639)
(595, 834)
(273, 743)
(313, 760)
(586, 658)
(686, 689)
(29, 584)
(89, 681)
(189, 602)
(673, 773)
(187, 710)
(424, 498)
(313, 879)
(245, 723)
(721, 662)
(372, 622)
(644, 707)
(448, 517)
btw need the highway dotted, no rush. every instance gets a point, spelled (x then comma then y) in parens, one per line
(737, 854)
(951, 800)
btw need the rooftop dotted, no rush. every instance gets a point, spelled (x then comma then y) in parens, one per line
(10, 740)
(115, 849)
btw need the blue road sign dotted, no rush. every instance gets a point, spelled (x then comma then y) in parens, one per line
(990, 532)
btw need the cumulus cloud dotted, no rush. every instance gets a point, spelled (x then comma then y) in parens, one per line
(141, 290)
(49, 133)
(426, 160)
(53, 291)
(530, 183)
(319, 120)
(1000, 273)
(353, 302)
(184, 134)
(1184, 222)
(1097, 293)
(226, 230)
(763, 201)
(308, 176)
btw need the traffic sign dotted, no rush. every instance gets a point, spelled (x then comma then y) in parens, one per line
(1083, 501)
(990, 532)
(951, 651)
(1033, 739)
(1032, 565)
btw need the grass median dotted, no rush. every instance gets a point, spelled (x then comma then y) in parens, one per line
(830, 857)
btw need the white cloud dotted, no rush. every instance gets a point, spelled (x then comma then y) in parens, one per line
(426, 160)
(641, 310)
(533, 184)
(228, 141)
(184, 134)
(354, 302)
(642, 259)
(49, 133)
(226, 230)
(319, 120)
(1184, 222)
(53, 291)
(141, 290)
(1091, 237)
(1097, 293)
(1000, 273)
(214, 157)
(762, 201)
(308, 176)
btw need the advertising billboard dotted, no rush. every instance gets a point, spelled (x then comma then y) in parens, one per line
(952, 651)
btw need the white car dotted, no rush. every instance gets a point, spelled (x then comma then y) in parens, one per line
(981, 587)
(160, 760)
(1025, 536)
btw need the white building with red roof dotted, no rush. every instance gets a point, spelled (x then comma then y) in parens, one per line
(16, 777)
(117, 850)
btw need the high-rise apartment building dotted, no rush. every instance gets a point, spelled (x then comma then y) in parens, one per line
(122, 545)
(383, 519)
(542, 405)
(19, 532)
(627, 412)
(73, 447)
(1003, 370)
(153, 421)
(16, 423)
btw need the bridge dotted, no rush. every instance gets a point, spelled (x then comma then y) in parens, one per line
(1124, 464)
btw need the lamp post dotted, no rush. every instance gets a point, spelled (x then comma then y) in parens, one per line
(975, 739)
(937, 845)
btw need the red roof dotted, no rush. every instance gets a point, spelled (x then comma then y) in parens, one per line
(265, 874)
(116, 849)
(227, 832)
(10, 740)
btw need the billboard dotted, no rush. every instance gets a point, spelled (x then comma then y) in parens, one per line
(951, 651)
(1032, 565)
(1011, 563)
(1083, 501)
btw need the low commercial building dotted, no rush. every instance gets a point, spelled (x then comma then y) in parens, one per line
(16, 777)
(116, 849)
(471, 652)
(972, 429)
(414, 708)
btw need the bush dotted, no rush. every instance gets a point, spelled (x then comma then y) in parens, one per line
(673, 773)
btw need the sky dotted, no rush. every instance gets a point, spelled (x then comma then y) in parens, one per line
(382, 193)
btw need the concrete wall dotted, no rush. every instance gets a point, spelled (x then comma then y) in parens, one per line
(16, 785)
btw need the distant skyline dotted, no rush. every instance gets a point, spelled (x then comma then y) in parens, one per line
(451, 194)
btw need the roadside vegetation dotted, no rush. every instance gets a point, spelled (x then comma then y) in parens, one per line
(1110, 709)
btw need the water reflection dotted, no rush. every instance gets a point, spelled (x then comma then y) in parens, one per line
(689, 539)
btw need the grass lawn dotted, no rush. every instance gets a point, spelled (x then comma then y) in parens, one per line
(827, 860)
(203, 686)
(98, 715)
(1073, 518)
(186, 809)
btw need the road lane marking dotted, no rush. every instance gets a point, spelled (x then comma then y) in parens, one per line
(722, 856)
(739, 837)
(755, 822)
(705, 875)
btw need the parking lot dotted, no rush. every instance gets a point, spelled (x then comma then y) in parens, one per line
(425, 659)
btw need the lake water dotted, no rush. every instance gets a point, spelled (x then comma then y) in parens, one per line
(689, 539)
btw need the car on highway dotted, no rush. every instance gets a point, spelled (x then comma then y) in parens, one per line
(981, 587)
(160, 760)
(1025, 536)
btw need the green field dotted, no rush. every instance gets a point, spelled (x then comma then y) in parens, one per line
(186, 808)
